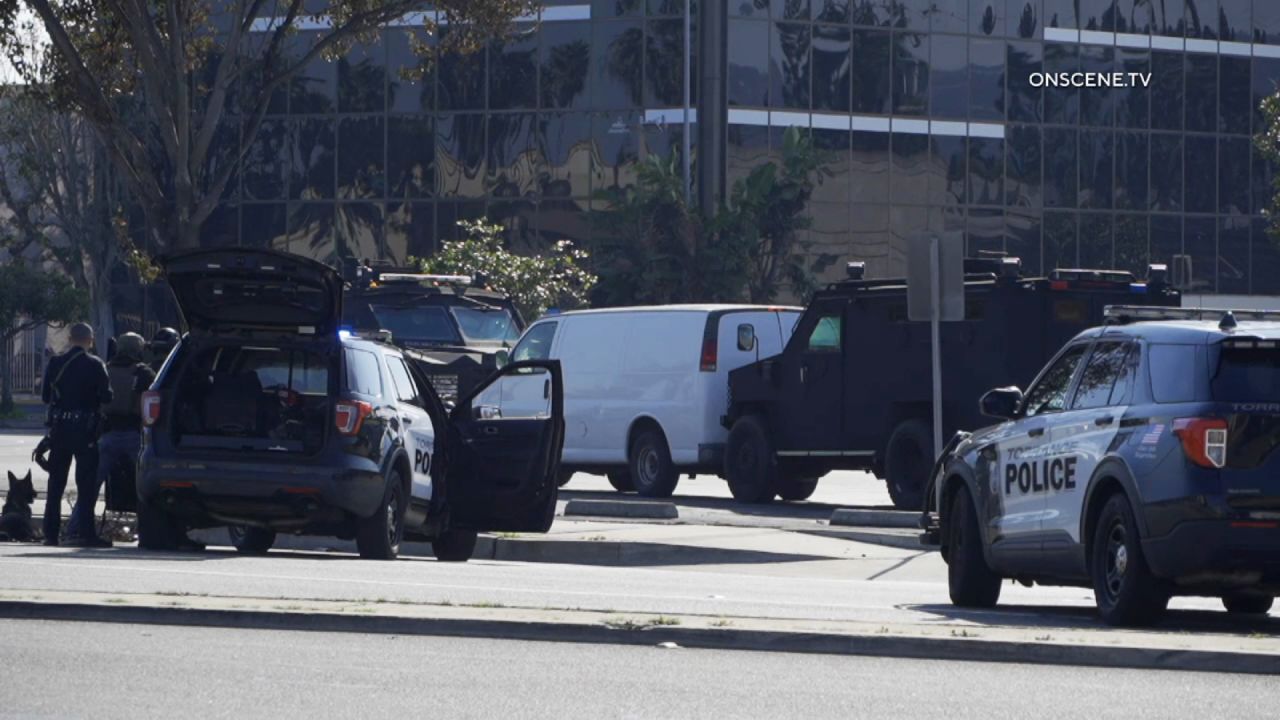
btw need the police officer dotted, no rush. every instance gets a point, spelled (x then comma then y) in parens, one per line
(75, 389)
(162, 343)
(121, 437)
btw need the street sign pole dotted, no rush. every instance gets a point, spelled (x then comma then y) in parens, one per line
(935, 322)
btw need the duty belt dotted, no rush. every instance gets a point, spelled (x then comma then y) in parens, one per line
(72, 415)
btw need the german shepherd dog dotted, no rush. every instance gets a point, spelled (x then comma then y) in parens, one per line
(15, 519)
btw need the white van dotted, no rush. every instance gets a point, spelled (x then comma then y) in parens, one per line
(644, 387)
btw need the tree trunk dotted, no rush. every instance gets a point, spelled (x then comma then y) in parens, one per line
(104, 314)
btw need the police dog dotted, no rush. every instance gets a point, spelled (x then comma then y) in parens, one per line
(15, 518)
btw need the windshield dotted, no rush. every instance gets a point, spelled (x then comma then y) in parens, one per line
(1248, 376)
(417, 324)
(486, 325)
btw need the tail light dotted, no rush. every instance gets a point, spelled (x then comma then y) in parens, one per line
(710, 350)
(349, 415)
(1204, 440)
(150, 408)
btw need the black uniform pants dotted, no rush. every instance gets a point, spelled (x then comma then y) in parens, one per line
(68, 444)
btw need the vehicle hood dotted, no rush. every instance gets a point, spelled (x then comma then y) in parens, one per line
(242, 289)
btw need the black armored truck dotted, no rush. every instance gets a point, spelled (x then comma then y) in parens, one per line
(852, 389)
(457, 322)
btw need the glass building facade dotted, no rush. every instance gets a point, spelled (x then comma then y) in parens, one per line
(927, 112)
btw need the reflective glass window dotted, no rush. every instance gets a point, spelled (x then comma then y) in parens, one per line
(222, 229)
(311, 158)
(1049, 394)
(1098, 105)
(984, 232)
(833, 148)
(950, 16)
(461, 84)
(616, 151)
(513, 70)
(789, 69)
(262, 225)
(1266, 76)
(564, 60)
(1062, 105)
(872, 13)
(448, 214)
(460, 155)
(409, 94)
(1264, 260)
(1235, 21)
(1060, 167)
(1096, 171)
(1166, 172)
(358, 230)
(869, 169)
(1168, 18)
(361, 148)
(1262, 174)
(1022, 238)
(411, 153)
(1098, 15)
(1200, 245)
(1266, 22)
(790, 9)
(1062, 13)
(266, 163)
(748, 65)
(1202, 101)
(1167, 90)
(1166, 238)
(1202, 18)
(872, 50)
(910, 74)
(1095, 240)
(1022, 18)
(616, 71)
(911, 14)
(515, 159)
(986, 17)
(664, 65)
(832, 68)
(314, 88)
(948, 170)
(1201, 163)
(1133, 104)
(832, 11)
(986, 171)
(1104, 372)
(1026, 102)
(628, 8)
(1233, 254)
(1135, 16)
(949, 77)
(1233, 175)
(986, 79)
(362, 78)
(1023, 165)
(566, 148)
(1060, 240)
(909, 179)
(312, 232)
(410, 231)
(1132, 162)
(1233, 95)
(1131, 244)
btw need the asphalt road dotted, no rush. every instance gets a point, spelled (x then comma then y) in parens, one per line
(130, 671)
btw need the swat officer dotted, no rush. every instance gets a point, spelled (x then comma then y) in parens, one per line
(162, 343)
(75, 389)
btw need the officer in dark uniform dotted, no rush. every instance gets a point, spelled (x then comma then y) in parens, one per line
(75, 389)
(162, 343)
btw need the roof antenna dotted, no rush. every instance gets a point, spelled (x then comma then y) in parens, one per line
(1228, 322)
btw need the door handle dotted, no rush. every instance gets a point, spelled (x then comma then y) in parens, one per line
(490, 430)
(804, 370)
(1104, 421)
(546, 389)
(408, 421)
(1035, 432)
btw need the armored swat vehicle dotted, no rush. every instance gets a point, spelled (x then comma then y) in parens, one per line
(457, 323)
(852, 388)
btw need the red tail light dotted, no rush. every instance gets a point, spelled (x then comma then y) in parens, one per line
(710, 350)
(1204, 440)
(150, 408)
(349, 415)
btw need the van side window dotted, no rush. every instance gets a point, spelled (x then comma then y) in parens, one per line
(363, 376)
(406, 391)
(826, 334)
(536, 344)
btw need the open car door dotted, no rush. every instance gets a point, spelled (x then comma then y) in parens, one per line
(504, 468)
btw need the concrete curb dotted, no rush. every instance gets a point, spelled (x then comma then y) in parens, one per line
(875, 518)
(934, 648)
(622, 509)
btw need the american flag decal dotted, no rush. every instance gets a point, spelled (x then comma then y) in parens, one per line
(1153, 435)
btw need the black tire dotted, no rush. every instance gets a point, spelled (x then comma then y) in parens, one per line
(796, 489)
(750, 465)
(455, 544)
(621, 481)
(157, 530)
(908, 460)
(565, 477)
(378, 536)
(1247, 603)
(971, 582)
(1123, 586)
(249, 540)
(651, 469)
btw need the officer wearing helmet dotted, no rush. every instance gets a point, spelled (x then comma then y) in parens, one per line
(129, 377)
(162, 343)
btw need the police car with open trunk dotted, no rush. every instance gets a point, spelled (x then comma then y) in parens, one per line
(1142, 462)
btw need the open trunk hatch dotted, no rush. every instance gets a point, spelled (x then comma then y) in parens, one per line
(237, 290)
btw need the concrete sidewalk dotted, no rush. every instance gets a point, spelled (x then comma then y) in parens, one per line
(1128, 649)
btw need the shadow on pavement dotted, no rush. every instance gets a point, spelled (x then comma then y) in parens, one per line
(1086, 618)
(796, 510)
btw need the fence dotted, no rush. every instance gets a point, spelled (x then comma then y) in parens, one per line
(27, 360)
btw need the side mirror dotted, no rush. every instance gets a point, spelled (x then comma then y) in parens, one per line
(746, 337)
(1001, 403)
(501, 358)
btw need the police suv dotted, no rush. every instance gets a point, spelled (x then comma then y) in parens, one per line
(1141, 462)
(267, 418)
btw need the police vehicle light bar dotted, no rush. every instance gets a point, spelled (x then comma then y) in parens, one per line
(418, 277)
(1132, 313)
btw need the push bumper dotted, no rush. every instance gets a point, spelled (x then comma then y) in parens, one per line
(260, 494)
(1217, 552)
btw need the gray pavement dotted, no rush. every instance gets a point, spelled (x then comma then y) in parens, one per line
(129, 671)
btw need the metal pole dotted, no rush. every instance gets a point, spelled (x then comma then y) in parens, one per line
(935, 322)
(688, 97)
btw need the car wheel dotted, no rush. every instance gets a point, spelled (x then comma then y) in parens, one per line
(621, 481)
(379, 535)
(908, 460)
(795, 489)
(156, 528)
(971, 582)
(750, 465)
(565, 477)
(250, 540)
(1125, 590)
(652, 471)
(1247, 603)
(456, 544)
